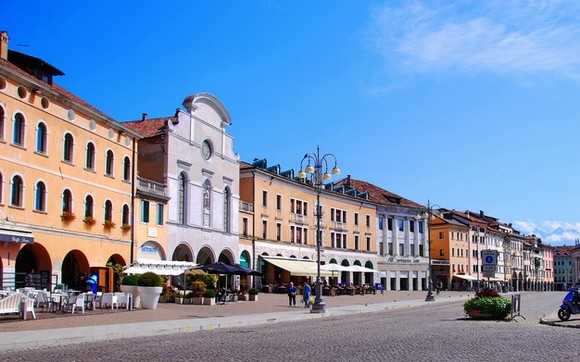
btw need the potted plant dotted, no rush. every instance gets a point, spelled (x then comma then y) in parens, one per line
(126, 227)
(197, 289)
(149, 287)
(67, 216)
(209, 297)
(89, 221)
(129, 285)
(253, 294)
(487, 304)
(108, 224)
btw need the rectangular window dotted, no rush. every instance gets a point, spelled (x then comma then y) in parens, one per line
(441, 252)
(368, 221)
(441, 235)
(332, 242)
(412, 249)
(356, 246)
(356, 218)
(144, 211)
(264, 198)
(299, 235)
(381, 221)
(401, 225)
(245, 226)
(292, 206)
(368, 243)
(278, 231)
(160, 211)
(421, 250)
(278, 202)
(390, 224)
(421, 227)
(264, 229)
(401, 249)
(390, 248)
(305, 236)
(292, 233)
(411, 226)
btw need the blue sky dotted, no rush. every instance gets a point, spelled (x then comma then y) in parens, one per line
(469, 104)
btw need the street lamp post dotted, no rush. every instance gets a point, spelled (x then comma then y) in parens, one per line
(428, 214)
(318, 178)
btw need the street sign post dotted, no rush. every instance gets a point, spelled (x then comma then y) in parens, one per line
(489, 258)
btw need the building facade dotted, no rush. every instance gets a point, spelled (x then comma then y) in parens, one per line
(192, 155)
(279, 235)
(66, 180)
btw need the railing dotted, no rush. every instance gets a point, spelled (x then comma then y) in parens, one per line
(246, 206)
(151, 187)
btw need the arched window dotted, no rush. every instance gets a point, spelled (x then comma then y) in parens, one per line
(41, 135)
(66, 200)
(67, 151)
(89, 206)
(40, 197)
(227, 210)
(125, 217)
(90, 157)
(17, 191)
(109, 163)
(108, 211)
(18, 129)
(182, 197)
(126, 169)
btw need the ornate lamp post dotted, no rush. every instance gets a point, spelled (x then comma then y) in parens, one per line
(428, 214)
(314, 168)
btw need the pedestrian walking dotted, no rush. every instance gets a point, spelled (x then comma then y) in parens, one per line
(306, 295)
(292, 295)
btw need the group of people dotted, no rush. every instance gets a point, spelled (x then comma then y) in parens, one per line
(306, 292)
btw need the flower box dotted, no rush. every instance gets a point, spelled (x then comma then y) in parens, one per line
(89, 220)
(67, 216)
(126, 227)
(108, 224)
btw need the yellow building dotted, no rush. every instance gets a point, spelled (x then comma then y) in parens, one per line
(66, 180)
(278, 228)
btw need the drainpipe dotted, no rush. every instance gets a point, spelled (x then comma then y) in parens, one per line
(133, 177)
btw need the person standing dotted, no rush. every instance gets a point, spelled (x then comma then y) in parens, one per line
(292, 294)
(28, 279)
(306, 294)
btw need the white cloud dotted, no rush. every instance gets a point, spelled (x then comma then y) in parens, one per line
(526, 227)
(499, 37)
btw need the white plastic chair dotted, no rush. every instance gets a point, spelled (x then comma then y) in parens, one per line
(28, 307)
(77, 302)
(109, 299)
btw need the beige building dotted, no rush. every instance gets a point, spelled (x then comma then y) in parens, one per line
(66, 180)
(278, 228)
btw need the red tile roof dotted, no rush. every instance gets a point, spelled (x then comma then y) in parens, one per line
(150, 127)
(377, 194)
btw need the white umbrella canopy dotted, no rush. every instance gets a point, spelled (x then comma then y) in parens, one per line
(159, 267)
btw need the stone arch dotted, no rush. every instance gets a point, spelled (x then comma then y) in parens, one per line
(73, 265)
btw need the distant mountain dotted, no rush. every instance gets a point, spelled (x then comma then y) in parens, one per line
(557, 237)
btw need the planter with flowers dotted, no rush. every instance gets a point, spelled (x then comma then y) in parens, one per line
(488, 304)
(67, 216)
(253, 294)
(126, 227)
(89, 221)
(108, 224)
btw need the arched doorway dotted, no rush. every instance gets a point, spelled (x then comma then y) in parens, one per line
(74, 266)
(34, 258)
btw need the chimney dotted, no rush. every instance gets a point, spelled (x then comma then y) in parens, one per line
(348, 180)
(144, 117)
(481, 213)
(4, 45)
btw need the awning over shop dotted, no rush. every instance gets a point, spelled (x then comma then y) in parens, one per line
(465, 276)
(297, 267)
(160, 267)
(16, 236)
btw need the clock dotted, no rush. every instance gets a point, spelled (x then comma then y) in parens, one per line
(206, 149)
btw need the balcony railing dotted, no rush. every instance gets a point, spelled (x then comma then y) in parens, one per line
(151, 187)
(246, 206)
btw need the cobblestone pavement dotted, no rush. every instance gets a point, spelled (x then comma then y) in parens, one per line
(432, 332)
(267, 303)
